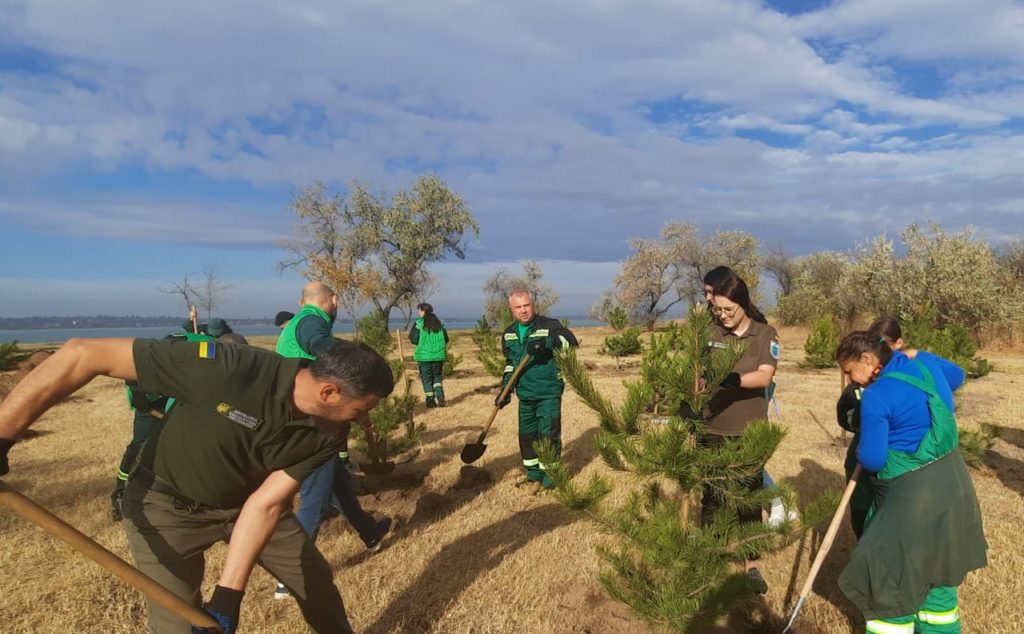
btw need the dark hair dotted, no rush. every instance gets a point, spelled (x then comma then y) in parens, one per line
(717, 277)
(355, 368)
(860, 341)
(430, 321)
(888, 327)
(735, 289)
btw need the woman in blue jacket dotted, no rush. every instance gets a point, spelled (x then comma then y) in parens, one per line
(923, 533)
(431, 339)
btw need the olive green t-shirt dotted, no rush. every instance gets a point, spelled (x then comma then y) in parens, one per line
(732, 408)
(234, 422)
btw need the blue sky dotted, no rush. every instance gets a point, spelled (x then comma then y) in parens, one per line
(139, 142)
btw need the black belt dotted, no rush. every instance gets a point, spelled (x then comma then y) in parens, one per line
(149, 480)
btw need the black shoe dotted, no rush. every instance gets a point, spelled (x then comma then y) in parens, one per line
(383, 528)
(431, 402)
(115, 515)
(440, 402)
(757, 582)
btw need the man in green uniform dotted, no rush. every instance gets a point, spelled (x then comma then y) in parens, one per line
(306, 336)
(226, 464)
(540, 385)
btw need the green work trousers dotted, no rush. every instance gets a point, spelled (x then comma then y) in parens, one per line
(539, 420)
(431, 376)
(939, 614)
(169, 536)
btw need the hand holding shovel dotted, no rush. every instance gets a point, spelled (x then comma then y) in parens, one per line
(472, 451)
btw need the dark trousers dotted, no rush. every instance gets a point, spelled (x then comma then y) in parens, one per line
(143, 426)
(431, 376)
(710, 503)
(331, 481)
(168, 539)
(537, 420)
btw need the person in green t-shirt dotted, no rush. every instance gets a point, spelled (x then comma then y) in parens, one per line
(431, 340)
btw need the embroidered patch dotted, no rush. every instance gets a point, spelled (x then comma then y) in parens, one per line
(207, 350)
(775, 350)
(718, 344)
(511, 336)
(237, 416)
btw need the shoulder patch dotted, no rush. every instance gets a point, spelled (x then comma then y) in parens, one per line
(237, 416)
(718, 344)
(775, 350)
(511, 336)
(207, 350)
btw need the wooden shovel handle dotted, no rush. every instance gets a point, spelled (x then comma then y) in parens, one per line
(830, 534)
(85, 545)
(501, 397)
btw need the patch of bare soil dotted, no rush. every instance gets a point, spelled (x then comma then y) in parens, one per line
(588, 610)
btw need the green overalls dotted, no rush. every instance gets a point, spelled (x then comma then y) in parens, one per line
(923, 534)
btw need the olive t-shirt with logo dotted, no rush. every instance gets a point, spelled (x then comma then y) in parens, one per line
(234, 422)
(732, 408)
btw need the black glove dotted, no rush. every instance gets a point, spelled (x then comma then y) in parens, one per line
(5, 446)
(502, 402)
(686, 413)
(731, 380)
(535, 345)
(224, 607)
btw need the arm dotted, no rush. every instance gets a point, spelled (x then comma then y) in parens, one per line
(313, 335)
(414, 334)
(445, 331)
(759, 378)
(954, 374)
(874, 431)
(256, 524)
(76, 363)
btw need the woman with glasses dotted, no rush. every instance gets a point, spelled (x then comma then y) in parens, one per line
(742, 398)
(924, 532)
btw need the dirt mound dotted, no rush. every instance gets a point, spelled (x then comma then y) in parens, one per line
(588, 609)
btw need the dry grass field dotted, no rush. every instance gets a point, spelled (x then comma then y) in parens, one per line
(477, 549)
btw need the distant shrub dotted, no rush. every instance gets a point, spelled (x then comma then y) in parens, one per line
(488, 352)
(821, 344)
(953, 342)
(623, 344)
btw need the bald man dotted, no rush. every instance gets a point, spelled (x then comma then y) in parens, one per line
(307, 335)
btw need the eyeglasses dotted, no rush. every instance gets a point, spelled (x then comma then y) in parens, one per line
(723, 311)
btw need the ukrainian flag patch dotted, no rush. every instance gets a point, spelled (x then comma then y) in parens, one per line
(207, 350)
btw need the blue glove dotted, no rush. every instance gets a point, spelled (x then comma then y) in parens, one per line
(535, 345)
(223, 606)
(5, 446)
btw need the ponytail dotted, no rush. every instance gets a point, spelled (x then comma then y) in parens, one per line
(430, 321)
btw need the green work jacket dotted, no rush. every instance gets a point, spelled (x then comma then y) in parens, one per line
(288, 343)
(541, 378)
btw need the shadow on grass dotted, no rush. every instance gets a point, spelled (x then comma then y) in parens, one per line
(812, 481)
(452, 570)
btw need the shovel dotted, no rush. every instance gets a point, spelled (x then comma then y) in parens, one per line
(826, 545)
(472, 451)
(63, 531)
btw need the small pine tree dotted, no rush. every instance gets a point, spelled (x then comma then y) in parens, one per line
(487, 349)
(10, 355)
(670, 570)
(822, 342)
(623, 344)
(618, 318)
(975, 442)
(395, 412)
(451, 363)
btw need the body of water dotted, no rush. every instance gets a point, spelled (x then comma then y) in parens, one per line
(60, 335)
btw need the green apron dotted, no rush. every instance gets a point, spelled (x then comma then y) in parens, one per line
(924, 529)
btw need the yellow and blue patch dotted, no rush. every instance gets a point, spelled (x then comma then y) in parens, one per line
(207, 350)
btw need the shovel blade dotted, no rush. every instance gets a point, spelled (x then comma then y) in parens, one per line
(472, 452)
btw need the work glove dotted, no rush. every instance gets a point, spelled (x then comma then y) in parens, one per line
(223, 606)
(731, 380)
(686, 413)
(5, 446)
(536, 345)
(502, 402)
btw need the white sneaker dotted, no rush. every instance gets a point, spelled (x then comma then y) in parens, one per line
(281, 592)
(778, 513)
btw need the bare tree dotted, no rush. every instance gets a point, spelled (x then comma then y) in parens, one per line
(211, 290)
(183, 288)
(782, 268)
